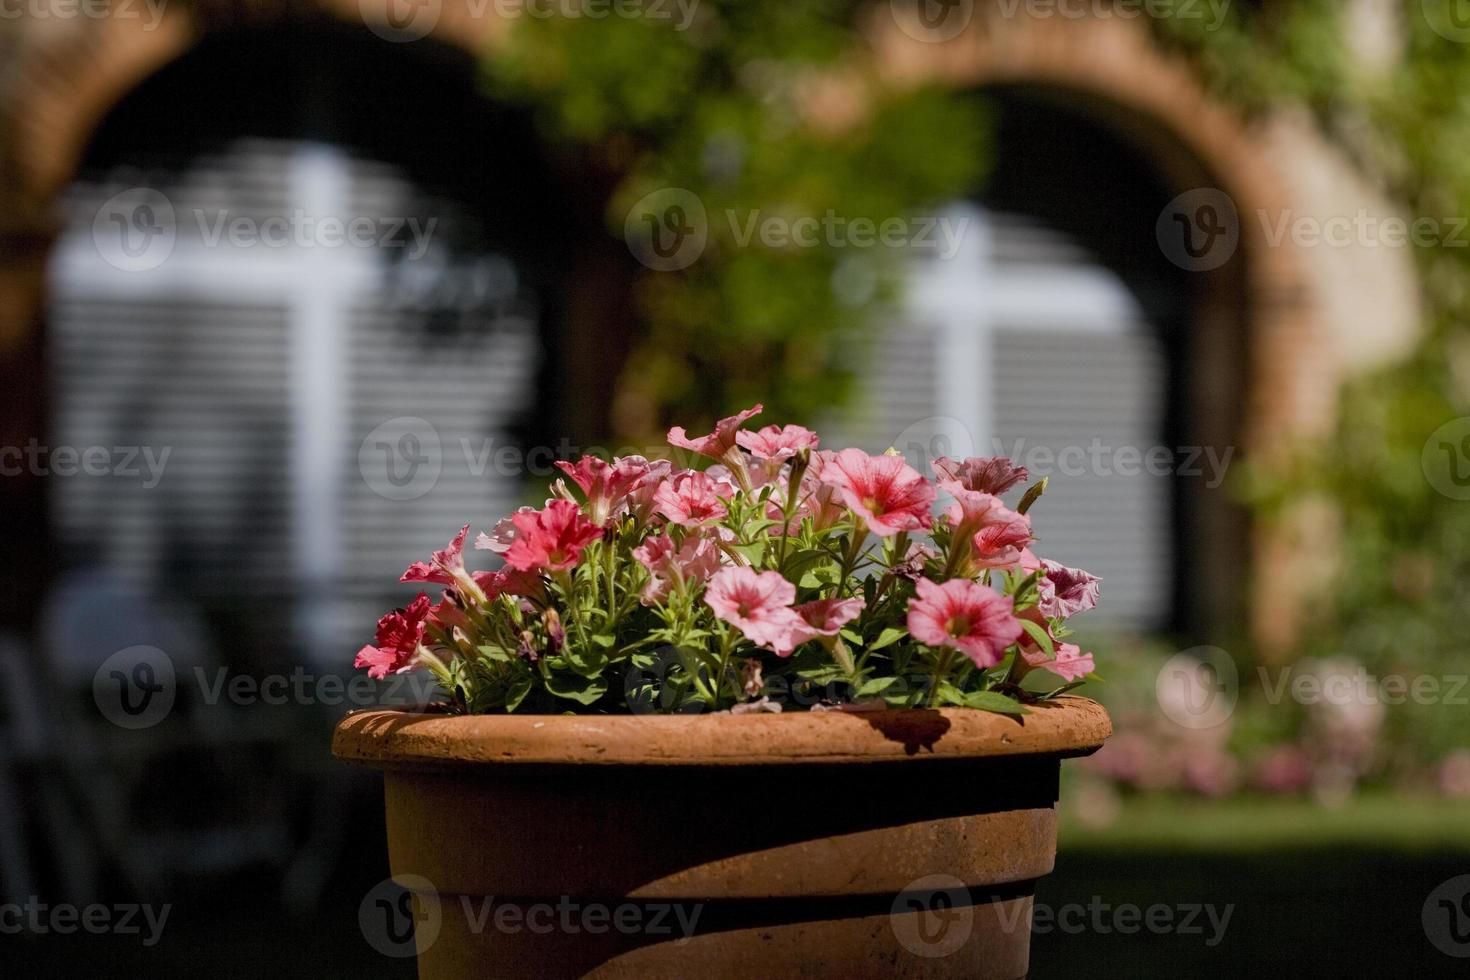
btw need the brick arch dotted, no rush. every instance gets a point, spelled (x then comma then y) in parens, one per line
(68, 72)
(64, 73)
(1257, 309)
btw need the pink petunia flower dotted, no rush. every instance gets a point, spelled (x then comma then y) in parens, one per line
(639, 501)
(550, 539)
(889, 495)
(501, 535)
(823, 618)
(673, 568)
(983, 474)
(756, 603)
(1002, 537)
(717, 444)
(1069, 664)
(776, 442)
(397, 643)
(690, 498)
(1065, 592)
(965, 615)
(444, 566)
(605, 484)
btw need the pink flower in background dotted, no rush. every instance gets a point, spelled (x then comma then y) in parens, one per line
(823, 617)
(717, 444)
(965, 615)
(1003, 535)
(1069, 664)
(998, 535)
(447, 614)
(669, 567)
(442, 565)
(398, 638)
(690, 498)
(993, 474)
(638, 503)
(777, 442)
(888, 494)
(551, 539)
(510, 581)
(605, 484)
(501, 535)
(756, 603)
(1066, 591)
(971, 509)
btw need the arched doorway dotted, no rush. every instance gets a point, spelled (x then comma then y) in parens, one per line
(317, 282)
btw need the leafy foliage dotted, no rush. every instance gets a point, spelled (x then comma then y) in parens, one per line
(759, 109)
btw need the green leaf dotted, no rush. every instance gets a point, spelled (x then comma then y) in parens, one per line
(574, 687)
(517, 690)
(1039, 634)
(877, 687)
(949, 694)
(889, 636)
(994, 701)
(752, 552)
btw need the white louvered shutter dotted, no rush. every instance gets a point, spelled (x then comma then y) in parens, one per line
(1021, 344)
(261, 369)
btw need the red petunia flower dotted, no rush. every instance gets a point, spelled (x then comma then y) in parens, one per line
(605, 484)
(550, 539)
(398, 638)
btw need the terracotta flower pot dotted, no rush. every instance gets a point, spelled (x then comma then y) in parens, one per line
(844, 845)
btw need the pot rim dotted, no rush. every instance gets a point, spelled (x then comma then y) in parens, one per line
(395, 738)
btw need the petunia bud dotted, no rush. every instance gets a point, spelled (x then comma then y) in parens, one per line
(554, 631)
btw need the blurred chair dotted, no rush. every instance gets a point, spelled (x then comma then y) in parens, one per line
(158, 800)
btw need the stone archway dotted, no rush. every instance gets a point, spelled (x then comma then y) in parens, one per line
(1257, 316)
(65, 74)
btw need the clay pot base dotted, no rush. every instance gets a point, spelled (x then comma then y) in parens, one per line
(831, 845)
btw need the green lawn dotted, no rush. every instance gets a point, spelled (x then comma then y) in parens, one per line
(1253, 825)
(1309, 891)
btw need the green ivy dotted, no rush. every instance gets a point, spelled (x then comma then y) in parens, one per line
(720, 109)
